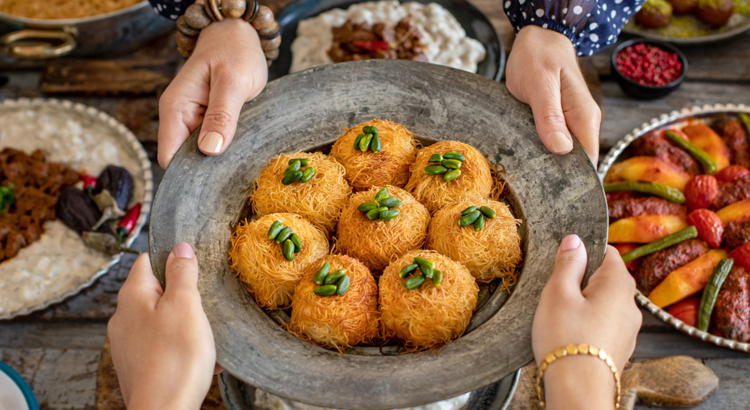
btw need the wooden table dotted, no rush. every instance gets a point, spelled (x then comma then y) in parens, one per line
(57, 350)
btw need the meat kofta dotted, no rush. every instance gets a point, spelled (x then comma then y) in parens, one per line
(625, 208)
(734, 135)
(735, 234)
(655, 267)
(731, 192)
(731, 315)
(655, 145)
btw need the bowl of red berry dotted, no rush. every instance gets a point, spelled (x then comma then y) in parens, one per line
(648, 69)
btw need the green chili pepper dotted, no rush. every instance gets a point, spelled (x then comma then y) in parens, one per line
(452, 163)
(307, 174)
(426, 266)
(435, 158)
(488, 212)
(708, 163)
(389, 214)
(745, 120)
(711, 291)
(437, 278)
(335, 276)
(670, 240)
(358, 141)
(303, 161)
(368, 206)
(364, 145)
(435, 170)
(390, 202)
(376, 145)
(325, 290)
(276, 227)
(381, 195)
(407, 270)
(479, 223)
(469, 210)
(653, 188)
(284, 235)
(288, 250)
(451, 175)
(414, 282)
(469, 218)
(322, 273)
(291, 178)
(297, 243)
(342, 285)
(454, 155)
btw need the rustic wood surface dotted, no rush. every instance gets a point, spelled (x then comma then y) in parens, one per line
(58, 350)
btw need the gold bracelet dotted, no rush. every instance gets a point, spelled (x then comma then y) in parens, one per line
(199, 16)
(571, 349)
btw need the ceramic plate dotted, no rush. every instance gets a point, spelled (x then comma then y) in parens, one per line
(127, 144)
(200, 196)
(476, 25)
(612, 157)
(15, 393)
(701, 33)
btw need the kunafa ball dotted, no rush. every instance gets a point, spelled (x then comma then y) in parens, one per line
(376, 242)
(319, 199)
(427, 316)
(336, 321)
(389, 166)
(474, 180)
(490, 253)
(260, 263)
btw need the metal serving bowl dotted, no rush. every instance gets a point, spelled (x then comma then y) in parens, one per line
(613, 156)
(200, 196)
(87, 36)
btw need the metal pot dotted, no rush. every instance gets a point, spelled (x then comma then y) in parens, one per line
(81, 37)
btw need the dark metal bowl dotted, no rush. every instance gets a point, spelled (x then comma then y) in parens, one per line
(475, 23)
(199, 197)
(645, 91)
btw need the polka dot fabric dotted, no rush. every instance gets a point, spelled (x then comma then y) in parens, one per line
(171, 9)
(591, 25)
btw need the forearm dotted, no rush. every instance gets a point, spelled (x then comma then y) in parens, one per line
(579, 383)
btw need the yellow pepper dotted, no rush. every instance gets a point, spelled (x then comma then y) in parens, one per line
(645, 228)
(737, 212)
(687, 280)
(652, 169)
(703, 137)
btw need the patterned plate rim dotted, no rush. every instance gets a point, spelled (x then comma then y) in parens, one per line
(120, 131)
(612, 156)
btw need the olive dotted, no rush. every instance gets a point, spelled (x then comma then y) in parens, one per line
(322, 273)
(325, 290)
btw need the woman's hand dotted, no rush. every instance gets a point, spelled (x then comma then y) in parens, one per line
(543, 72)
(162, 345)
(604, 315)
(227, 69)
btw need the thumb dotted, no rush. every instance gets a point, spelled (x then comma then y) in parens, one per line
(611, 279)
(181, 275)
(570, 265)
(546, 104)
(583, 115)
(225, 101)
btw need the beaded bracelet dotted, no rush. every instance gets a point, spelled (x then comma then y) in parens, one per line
(199, 16)
(570, 350)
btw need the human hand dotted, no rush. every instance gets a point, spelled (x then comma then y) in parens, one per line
(227, 69)
(162, 345)
(543, 72)
(604, 315)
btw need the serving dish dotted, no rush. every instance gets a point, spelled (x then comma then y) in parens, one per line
(129, 144)
(116, 31)
(645, 91)
(612, 158)
(474, 22)
(554, 195)
(712, 35)
(15, 393)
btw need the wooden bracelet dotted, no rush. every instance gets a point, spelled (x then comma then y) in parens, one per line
(570, 350)
(199, 16)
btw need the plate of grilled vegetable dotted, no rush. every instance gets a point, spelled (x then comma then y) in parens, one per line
(678, 193)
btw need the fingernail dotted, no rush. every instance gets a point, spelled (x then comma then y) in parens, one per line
(570, 242)
(560, 143)
(211, 143)
(183, 250)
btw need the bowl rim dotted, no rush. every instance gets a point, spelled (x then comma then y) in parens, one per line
(657, 43)
(28, 395)
(614, 154)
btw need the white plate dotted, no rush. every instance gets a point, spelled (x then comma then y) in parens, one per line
(15, 394)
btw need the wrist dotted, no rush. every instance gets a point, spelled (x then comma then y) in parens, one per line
(536, 34)
(579, 382)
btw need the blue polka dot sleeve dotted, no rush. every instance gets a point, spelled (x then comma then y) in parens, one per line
(591, 25)
(171, 9)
